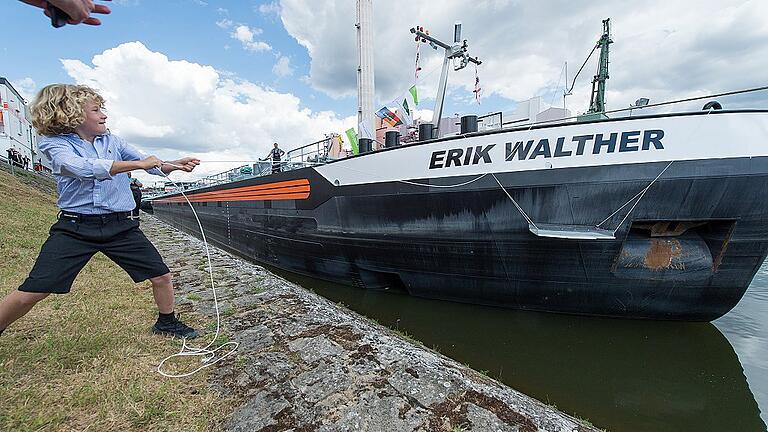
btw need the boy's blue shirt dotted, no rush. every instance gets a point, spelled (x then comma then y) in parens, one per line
(82, 172)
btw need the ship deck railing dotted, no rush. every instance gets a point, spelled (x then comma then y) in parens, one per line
(243, 172)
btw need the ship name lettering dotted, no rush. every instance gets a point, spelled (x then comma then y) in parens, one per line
(461, 156)
(629, 141)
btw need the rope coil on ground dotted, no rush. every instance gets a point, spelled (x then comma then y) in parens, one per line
(208, 355)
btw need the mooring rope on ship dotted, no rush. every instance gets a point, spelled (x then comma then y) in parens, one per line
(208, 355)
(640, 194)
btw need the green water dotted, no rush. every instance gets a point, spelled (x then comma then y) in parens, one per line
(621, 375)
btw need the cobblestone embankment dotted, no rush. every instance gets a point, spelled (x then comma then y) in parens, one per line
(306, 364)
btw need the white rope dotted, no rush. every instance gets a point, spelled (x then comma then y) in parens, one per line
(208, 355)
(522, 212)
(443, 186)
(479, 176)
(641, 194)
(530, 221)
(641, 197)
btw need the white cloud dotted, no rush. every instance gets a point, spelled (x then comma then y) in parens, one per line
(26, 87)
(225, 23)
(662, 50)
(282, 67)
(423, 114)
(270, 8)
(246, 35)
(173, 108)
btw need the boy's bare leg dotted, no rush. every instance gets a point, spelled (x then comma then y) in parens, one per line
(16, 304)
(167, 323)
(162, 290)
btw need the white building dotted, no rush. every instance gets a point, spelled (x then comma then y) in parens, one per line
(15, 124)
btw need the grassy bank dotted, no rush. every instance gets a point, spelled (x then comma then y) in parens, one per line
(86, 360)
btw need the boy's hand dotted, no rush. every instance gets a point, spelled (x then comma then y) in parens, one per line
(187, 164)
(151, 162)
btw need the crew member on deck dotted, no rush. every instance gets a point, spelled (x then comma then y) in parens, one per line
(96, 202)
(276, 153)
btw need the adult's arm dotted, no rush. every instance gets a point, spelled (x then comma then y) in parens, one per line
(79, 11)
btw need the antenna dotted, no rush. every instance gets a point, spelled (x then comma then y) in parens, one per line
(565, 89)
(457, 32)
(456, 51)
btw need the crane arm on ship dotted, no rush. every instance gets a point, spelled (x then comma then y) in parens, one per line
(597, 101)
(458, 50)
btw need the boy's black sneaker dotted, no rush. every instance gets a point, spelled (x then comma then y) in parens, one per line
(174, 328)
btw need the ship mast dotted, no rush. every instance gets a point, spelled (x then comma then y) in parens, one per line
(365, 87)
(597, 101)
(457, 50)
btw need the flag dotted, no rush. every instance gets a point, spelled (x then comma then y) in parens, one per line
(365, 130)
(352, 135)
(336, 144)
(414, 95)
(477, 89)
(418, 68)
(389, 117)
(405, 112)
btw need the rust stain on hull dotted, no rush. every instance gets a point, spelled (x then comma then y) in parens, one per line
(661, 254)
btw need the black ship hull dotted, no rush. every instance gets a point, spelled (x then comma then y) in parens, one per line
(687, 250)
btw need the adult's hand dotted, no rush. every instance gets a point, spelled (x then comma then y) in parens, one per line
(79, 11)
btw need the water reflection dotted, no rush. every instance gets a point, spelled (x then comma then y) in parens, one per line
(746, 327)
(622, 375)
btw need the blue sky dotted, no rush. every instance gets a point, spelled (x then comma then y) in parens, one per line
(188, 30)
(181, 29)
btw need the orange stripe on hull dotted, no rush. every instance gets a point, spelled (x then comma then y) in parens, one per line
(223, 196)
(291, 189)
(274, 196)
(264, 187)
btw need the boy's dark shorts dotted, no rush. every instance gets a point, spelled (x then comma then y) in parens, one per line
(74, 239)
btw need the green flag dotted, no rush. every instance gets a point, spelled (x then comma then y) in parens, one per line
(352, 135)
(405, 112)
(414, 95)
